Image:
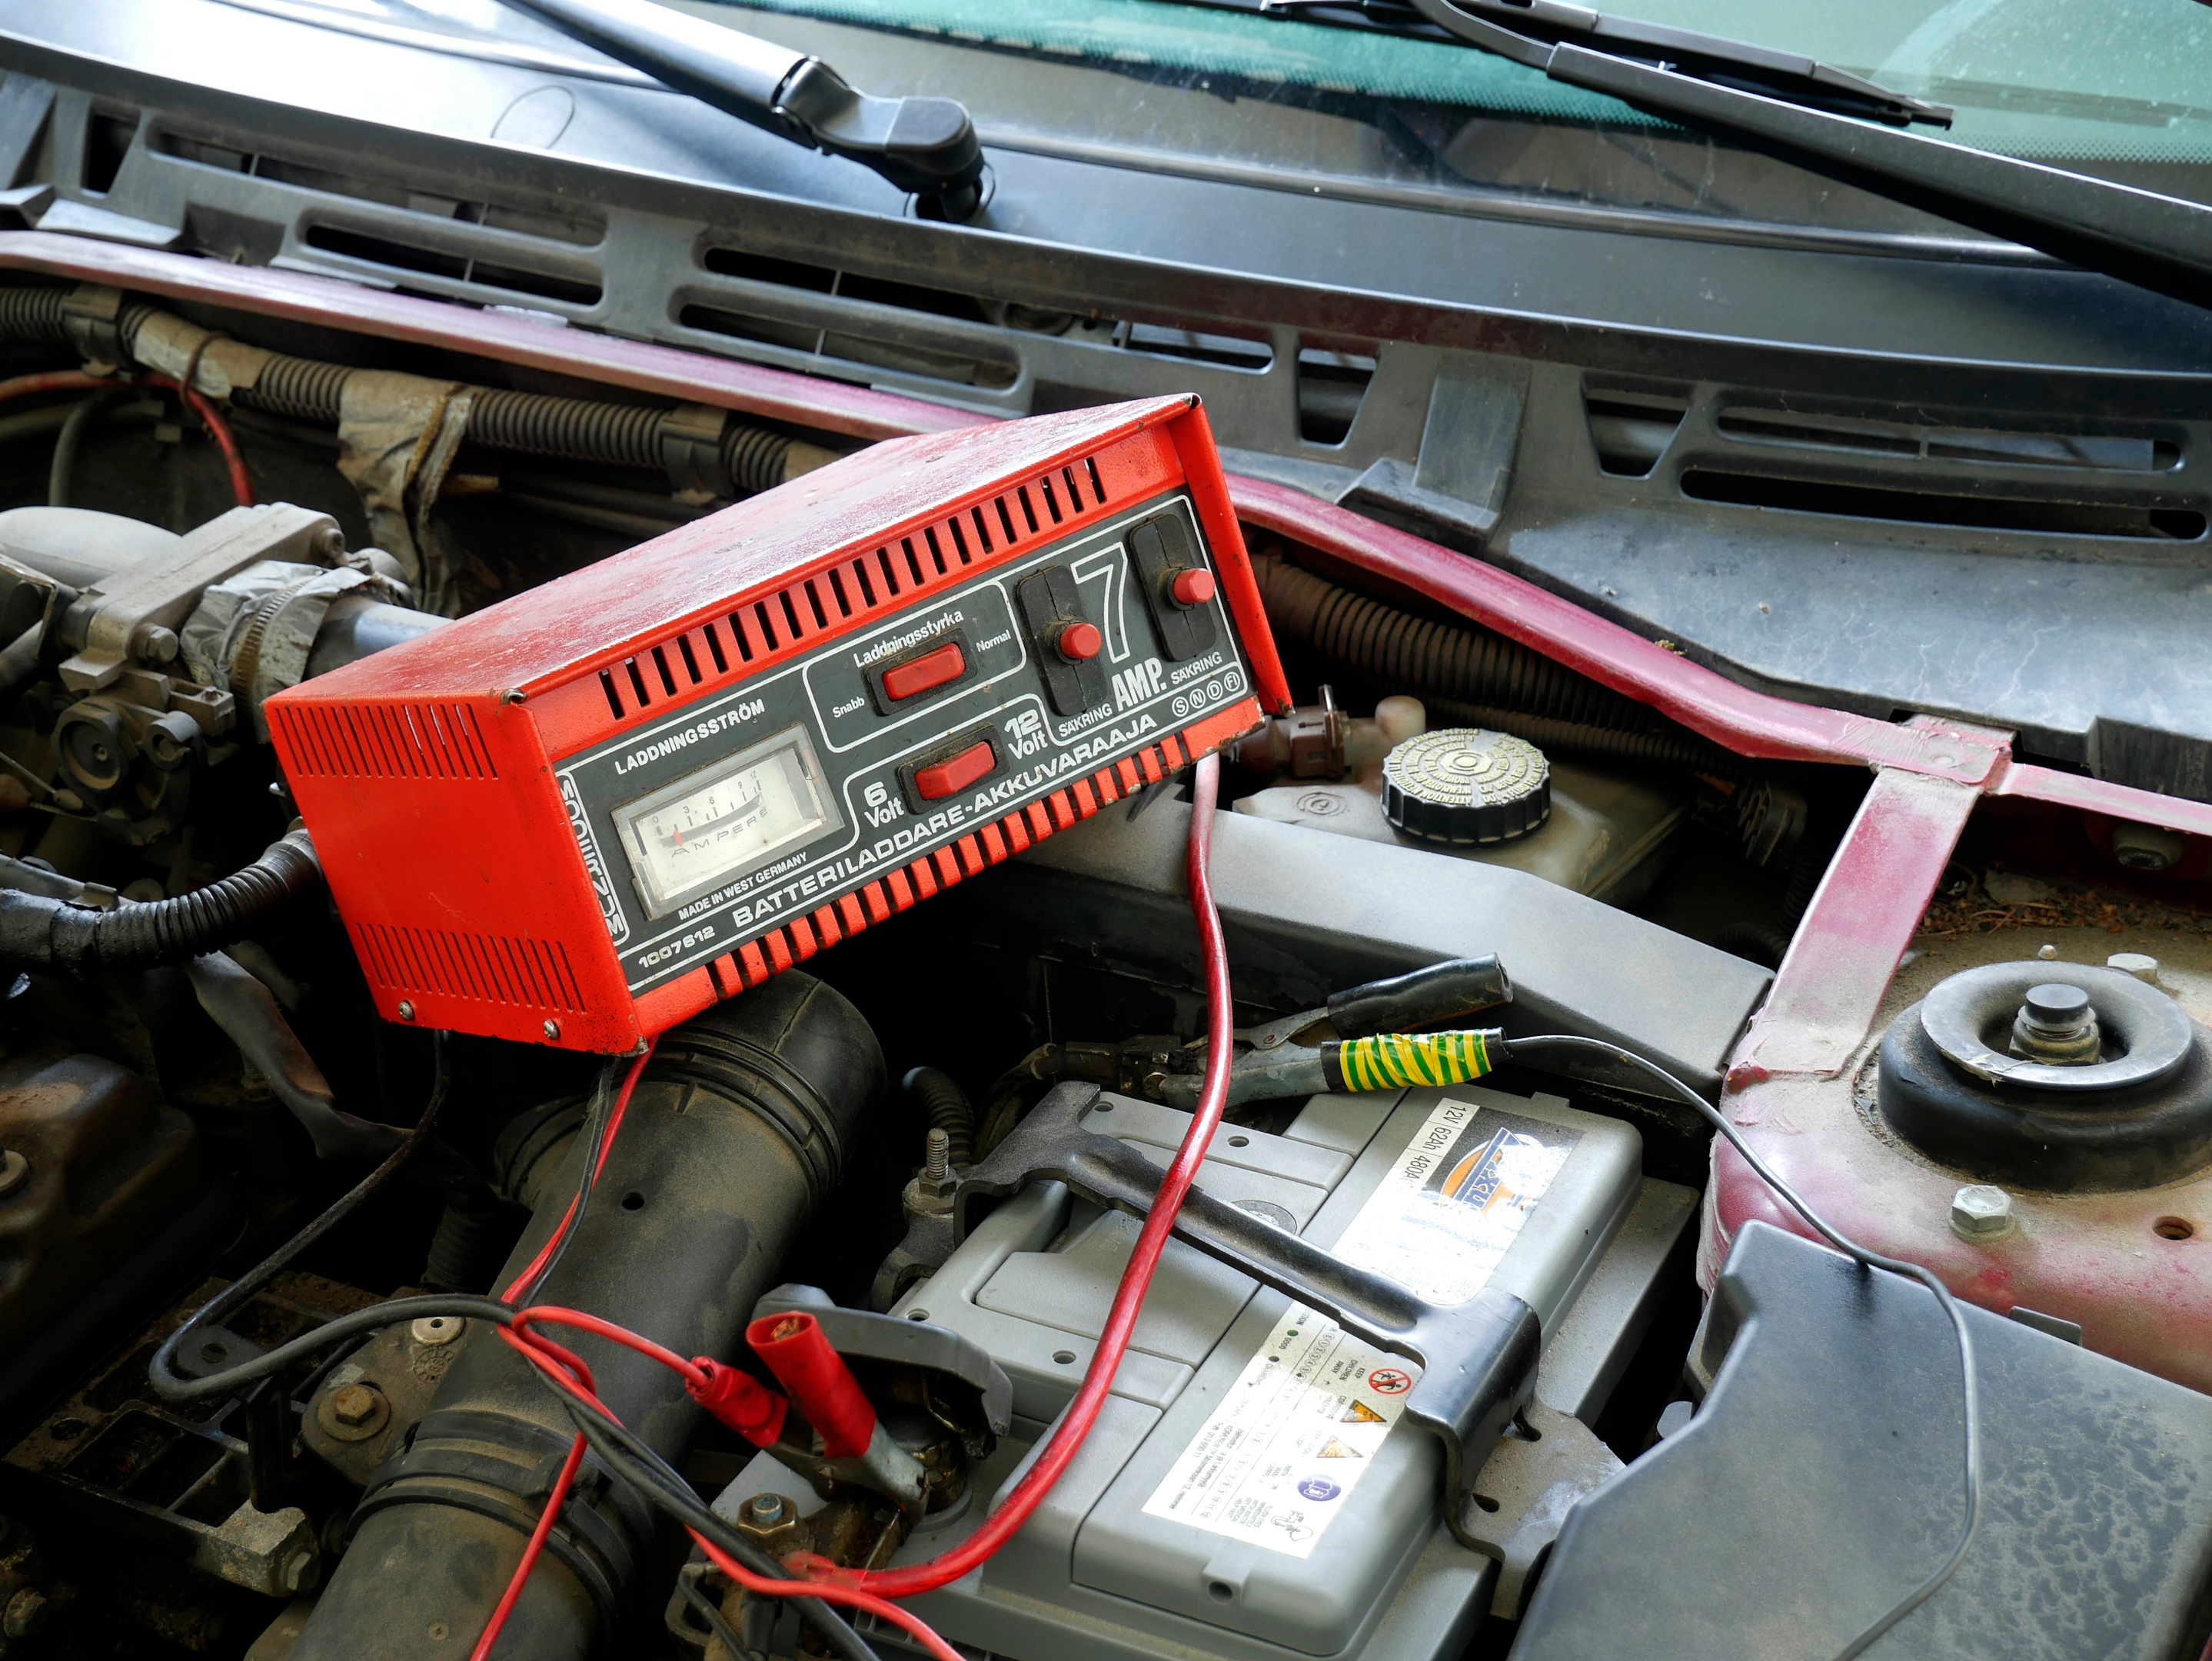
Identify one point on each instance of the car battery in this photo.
(1226, 1505)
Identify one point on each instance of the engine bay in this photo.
(843, 912)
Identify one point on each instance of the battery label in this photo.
(1275, 1461)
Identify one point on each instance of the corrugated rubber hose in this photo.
(1471, 676)
(37, 931)
(528, 424)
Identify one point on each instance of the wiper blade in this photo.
(926, 146)
(1708, 56)
(2160, 242)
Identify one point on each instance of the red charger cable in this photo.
(570, 1372)
(1122, 1320)
(869, 1589)
(566, 1479)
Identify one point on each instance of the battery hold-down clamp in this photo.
(1478, 1360)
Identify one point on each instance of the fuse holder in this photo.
(1193, 588)
(1079, 642)
(739, 1400)
(798, 1352)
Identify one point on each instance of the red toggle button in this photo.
(957, 774)
(1079, 642)
(1192, 587)
(947, 662)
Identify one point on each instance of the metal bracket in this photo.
(1521, 1499)
(691, 451)
(112, 621)
(1478, 1360)
(91, 314)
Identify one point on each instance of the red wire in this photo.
(54, 381)
(241, 482)
(513, 1593)
(73, 380)
(849, 1597)
(869, 1590)
(607, 1329)
(569, 1373)
(1120, 1321)
(559, 1496)
(536, 1266)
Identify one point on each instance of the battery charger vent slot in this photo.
(488, 968)
(893, 574)
(386, 740)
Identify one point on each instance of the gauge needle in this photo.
(750, 810)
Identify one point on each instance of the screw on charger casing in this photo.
(738, 1130)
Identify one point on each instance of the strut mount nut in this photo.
(2057, 1025)
(1981, 1211)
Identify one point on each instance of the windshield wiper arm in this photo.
(1709, 56)
(925, 145)
(2160, 242)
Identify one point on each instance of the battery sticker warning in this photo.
(1276, 1459)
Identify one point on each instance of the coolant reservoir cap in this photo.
(1466, 785)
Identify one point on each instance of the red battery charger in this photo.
(583, 814)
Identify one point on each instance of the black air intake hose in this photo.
(739, 1131)
(947, 1108)
(37, 931)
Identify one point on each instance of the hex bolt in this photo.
(937, 1160)
(2141, 964)
(1981, 1212)
(301, 1570)
(355, 1405)
(766, 1510)
(157, 645)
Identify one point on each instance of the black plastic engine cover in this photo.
(1822, 1480)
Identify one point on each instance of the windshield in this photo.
(2121, 89)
